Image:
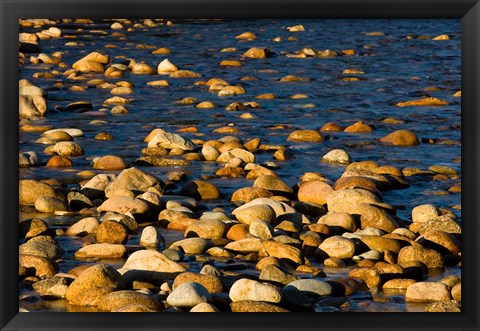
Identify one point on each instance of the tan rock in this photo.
(314, 191)
(401, 138)
(427, 292)
(429, 257)
(92, 284)
(424, 102)
(101, 251)
(257, 53)
(247, 289)
(339, 247)
(200, 190)
(283, 251)
(120, 299)
(207, 229)
(305, 136)
(212, 283)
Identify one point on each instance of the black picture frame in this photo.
(466, 10)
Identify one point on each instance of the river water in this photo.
(396, 68)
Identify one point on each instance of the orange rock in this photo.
(358, 127)
(59, 161)
(305, 136)
(401, 138)
(314, 191)
(331, 127)
(424, 102)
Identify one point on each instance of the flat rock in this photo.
(249, 306)
(339, 247)
(430, 257)
(123, 205)
(101, 251)
(427, 292)
(92, 284)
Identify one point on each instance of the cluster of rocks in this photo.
(288, 233)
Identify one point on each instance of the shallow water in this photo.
(396, 69)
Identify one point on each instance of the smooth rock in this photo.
(247, 289)
(249, 214)
(337, 156)
(92, 284)
(200, 190)
(427, 292)
(211, 283)
(339, 247)
(207, 229)
(314, 191)
(118, 299)
(31, 190)
(429, 257)
(101, 251)
(83, 227)
(124, 204)
(188, 295)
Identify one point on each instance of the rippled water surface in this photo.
(395, 69)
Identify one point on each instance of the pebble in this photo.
(346, 199)
(59, 161)
(68, 148)
(117, 300)
(431, 258)
(249, 214)
(427, 292)
(46, 204)
(166, 67)
(101, 251)
(188, 295)
(424, 102)
(284, 252)
(92, 284)
(200, 190)
(83, 227)
(211, 283)
(337, 156)
(338, 247)
(150, 260)
(261, 229)
(310, 287)
(314, 191)
(207, 229)
(338, 222)
(273, 184)
(401, 138)
(257, 53)
(41, 266)
(55, 287)
(29, 159)
(245, 245)
(305, 136)
(123, 204)
(247, 289)
(192, 245)
(150, 237)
